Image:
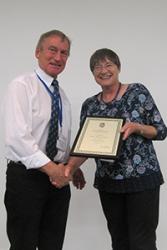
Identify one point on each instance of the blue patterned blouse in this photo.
(137, 167)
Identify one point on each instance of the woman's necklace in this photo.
(115, 97)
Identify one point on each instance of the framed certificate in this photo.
(99, 137)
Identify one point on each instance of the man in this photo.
(36, 209)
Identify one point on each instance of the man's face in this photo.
(53, 55)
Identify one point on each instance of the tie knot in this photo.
(55, 84)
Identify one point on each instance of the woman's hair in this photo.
(103, 54)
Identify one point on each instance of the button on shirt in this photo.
(27, 111)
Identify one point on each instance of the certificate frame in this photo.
(98, 137)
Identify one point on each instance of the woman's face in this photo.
(106, 73)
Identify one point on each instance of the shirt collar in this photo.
(45, 77)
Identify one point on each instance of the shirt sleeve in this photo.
(153, 116)
(19, 141)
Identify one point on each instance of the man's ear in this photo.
(37, 53)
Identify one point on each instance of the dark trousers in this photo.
(36, 210)
(132, 219)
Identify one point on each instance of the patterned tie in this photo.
(51, 149)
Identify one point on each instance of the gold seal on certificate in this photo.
(98, 137)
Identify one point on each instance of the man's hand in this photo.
(56, 173)
(78, 179)
(58, 178)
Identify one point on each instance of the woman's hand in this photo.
(146, 131)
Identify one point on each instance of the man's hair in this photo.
(53, 33)
(103, 54)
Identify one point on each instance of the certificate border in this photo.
(75, 151)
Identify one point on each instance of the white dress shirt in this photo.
(27, 112)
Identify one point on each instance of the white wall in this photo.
(136, 30)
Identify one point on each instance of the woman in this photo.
(129, 188)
